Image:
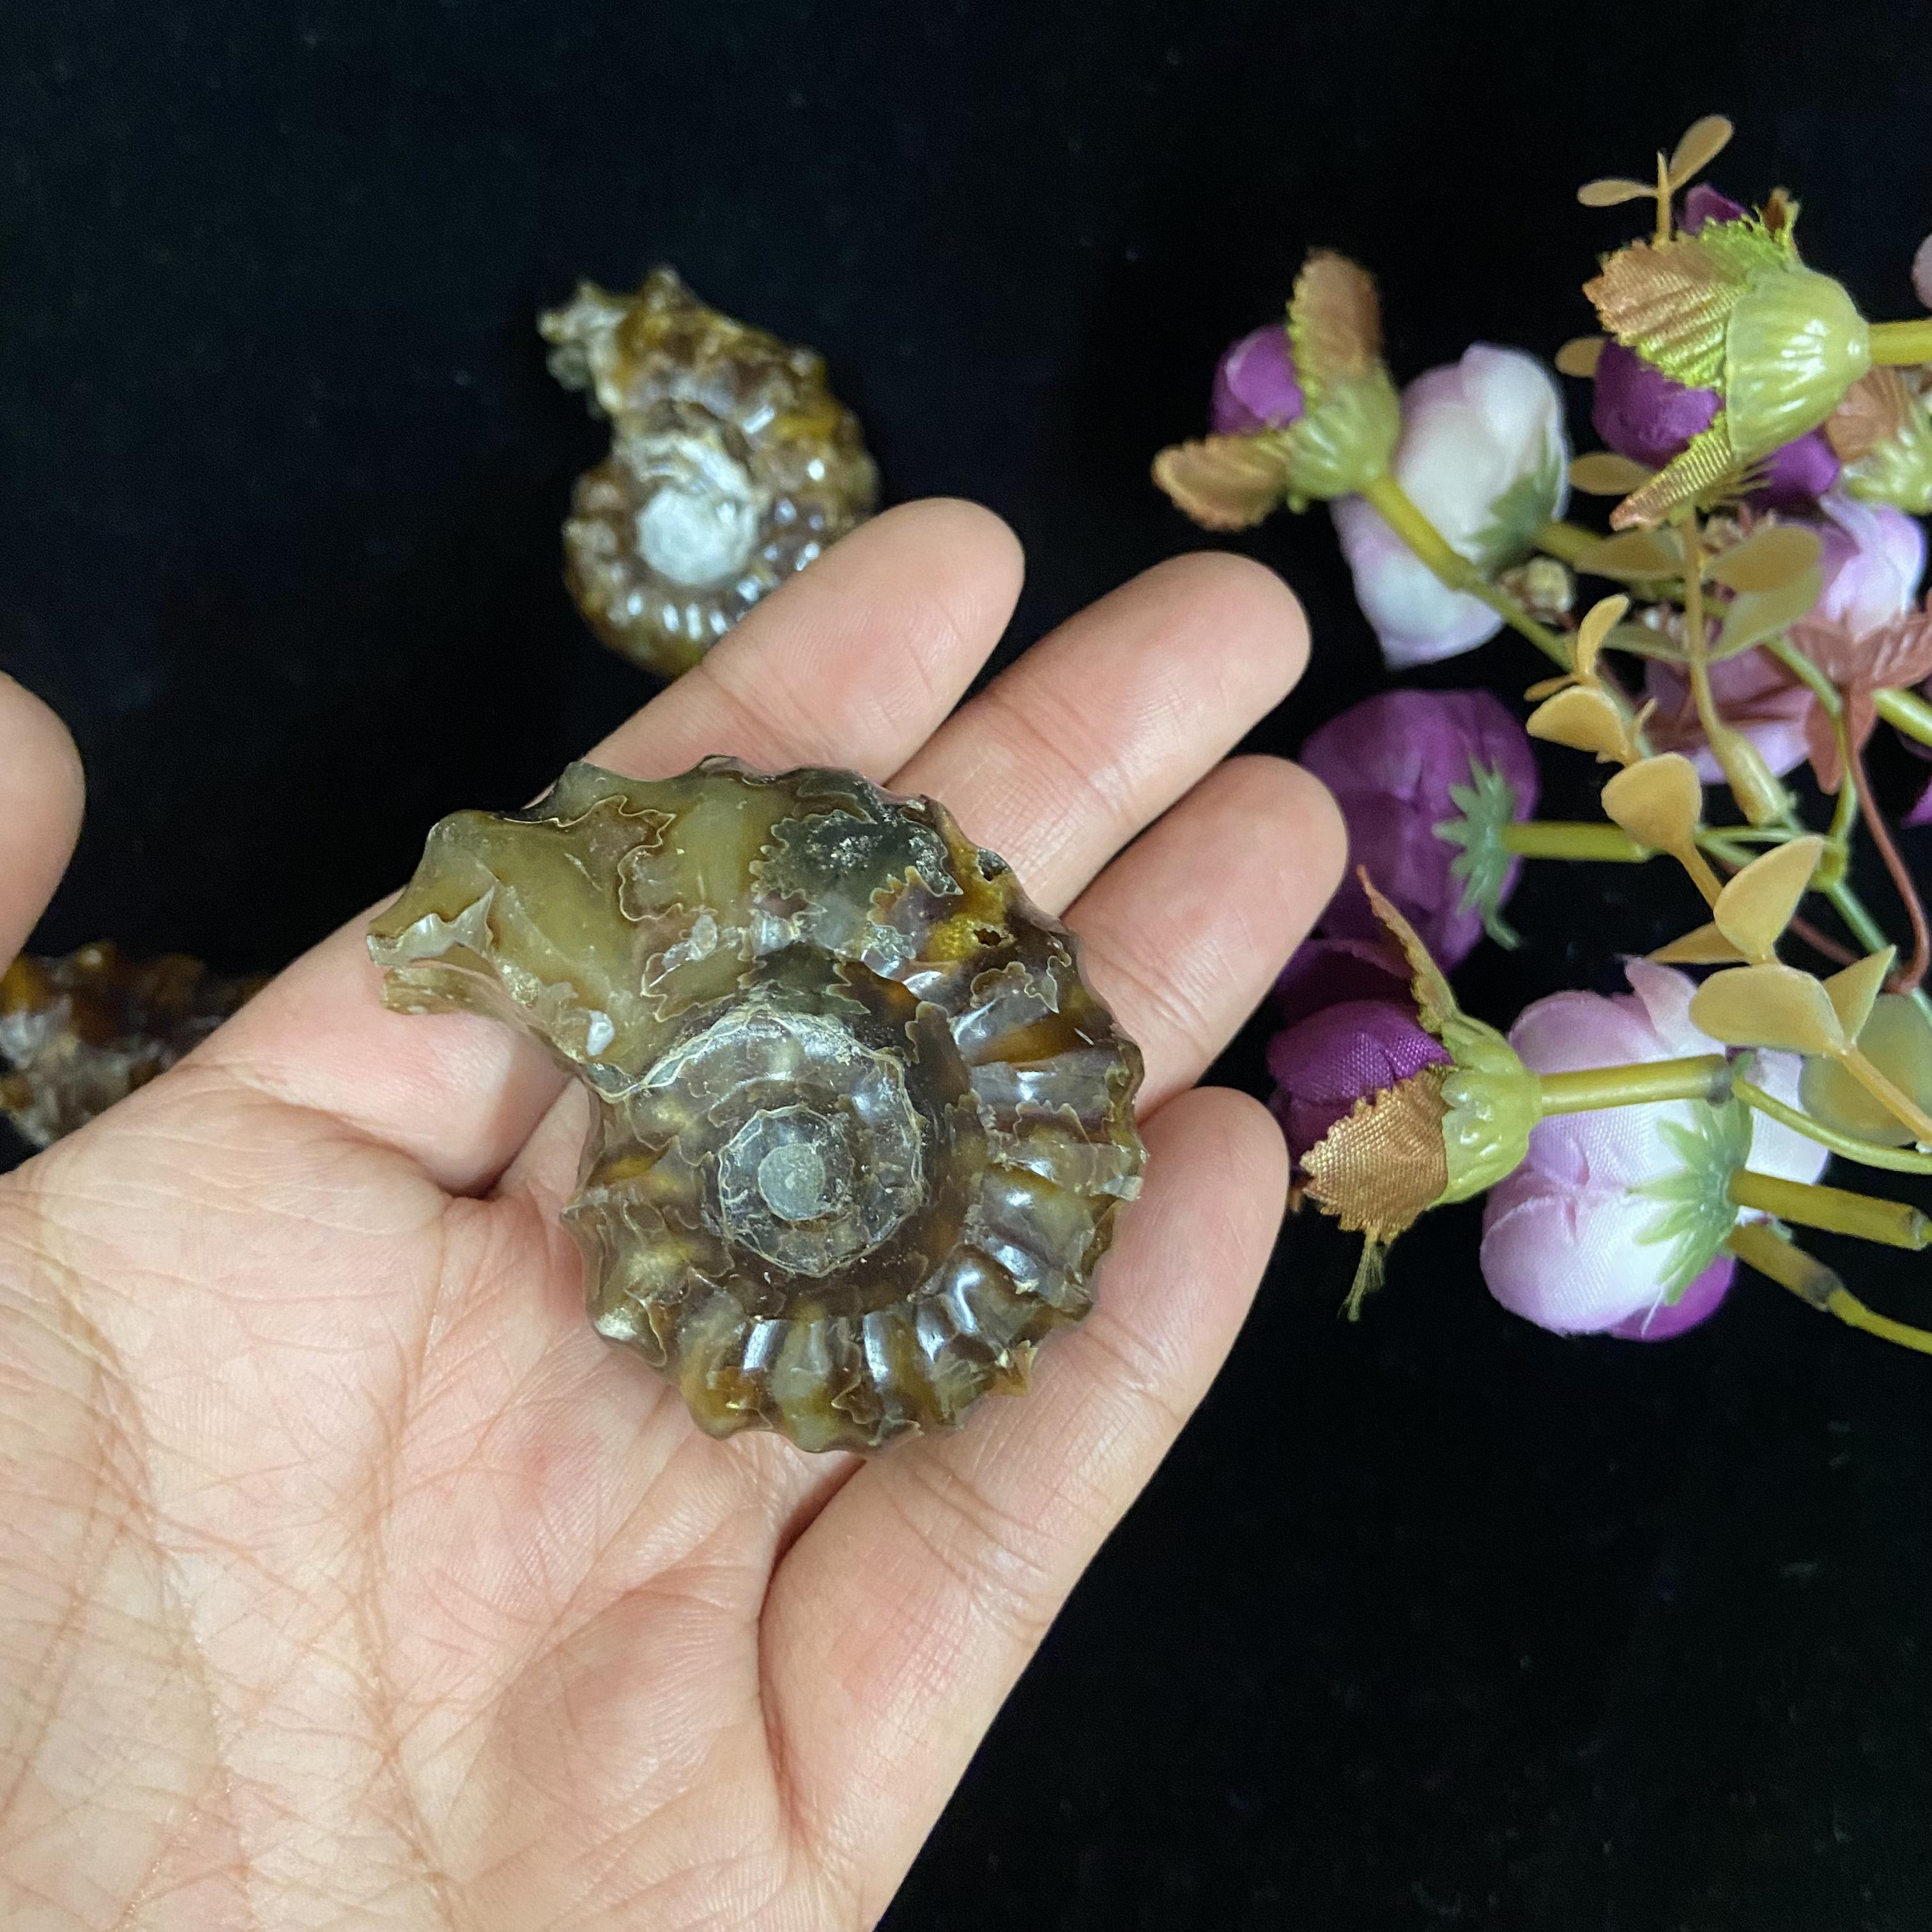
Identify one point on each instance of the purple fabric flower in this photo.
(1641, 413)
(1255, 386)
(1921, 271)
(1390, 762)
(1351, 1029)
(1323, 1066)
(1705, 203)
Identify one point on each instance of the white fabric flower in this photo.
(1484, 455)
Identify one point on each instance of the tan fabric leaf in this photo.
(1772, 556)
(1756, 905)
(1579, 355)
(1612, 190)
(1770, 1006)
(1584, 720)
(1334, 321)
(1875, 408)
(1670, 300)
(1704, 945)
(1706, 466)
(1854, 992)
(1634, 556)
(1603, 473)
(1224, 482)
(1657, 801)
(1386, 1163)
(1435, 1003)
(1703, 141)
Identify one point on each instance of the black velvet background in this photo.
(1433, 1620)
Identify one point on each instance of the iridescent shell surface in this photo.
(84, 1029)
(732, 465)
(861, 1131)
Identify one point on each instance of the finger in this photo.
(899, 1620)
(41, 793)
(853, 662)
(1183, 934)
(1064, 758)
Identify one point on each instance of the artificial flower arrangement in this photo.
(1769, 453)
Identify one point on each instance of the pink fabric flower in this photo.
(1393, 762)
(1612, 1207)
(1483, 455)
(1874, 556)
(1754, 692)
(1256, 386)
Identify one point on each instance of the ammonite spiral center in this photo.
(699, 523)
(818, 1156)
(861, 1129)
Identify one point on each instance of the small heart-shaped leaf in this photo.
(1769, 558)
(1853, 991)
(1583, 719)
(1769, 1006)
(1601, 473)
(1756, 905)
(1642, 640)
(1634, 556)
(1755, 615)
(1579, 355)
(1704, 945)
(1658, 802)
(1599, 621)
(1609, 190)
(1703, 141)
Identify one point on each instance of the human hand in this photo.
(348, 1578)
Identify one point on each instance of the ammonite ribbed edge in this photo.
(861, 1129)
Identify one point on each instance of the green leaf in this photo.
(1487, 804)
(1634, 556)
(1755, 615)
(1518, 514)
(1695, 1209)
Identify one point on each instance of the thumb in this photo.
(40, 793)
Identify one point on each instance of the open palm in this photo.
(348, 1579)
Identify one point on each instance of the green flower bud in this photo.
(1344, 441)
(1794, 346)
(1492, 1101)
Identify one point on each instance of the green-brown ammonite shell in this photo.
(862, 1130)
(732, 465)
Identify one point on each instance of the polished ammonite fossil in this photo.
(732, 465)
(84, 1030)
(861, 1129)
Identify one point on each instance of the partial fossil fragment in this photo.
(84, 1031)
(861, 1131)
(731, 466)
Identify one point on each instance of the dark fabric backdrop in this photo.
(1432, 1620)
